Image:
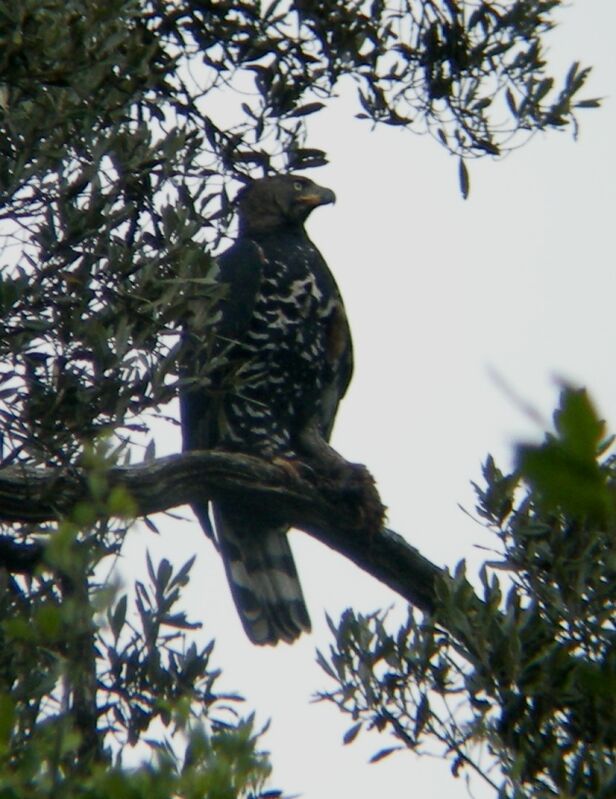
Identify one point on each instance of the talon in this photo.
(358, 484)
(295, 469)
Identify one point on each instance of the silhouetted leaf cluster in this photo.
(125, 127)
(529, 674)
(118, 122)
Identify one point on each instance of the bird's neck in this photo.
(292, 233)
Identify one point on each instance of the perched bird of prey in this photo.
(280, 361)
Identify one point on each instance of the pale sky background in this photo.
(518, 279)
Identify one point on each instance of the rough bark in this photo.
(332, 512)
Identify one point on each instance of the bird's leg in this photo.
(349, 480)
(320, 453)
(294, 468)
(314, 455)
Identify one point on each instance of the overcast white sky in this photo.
(519, 279)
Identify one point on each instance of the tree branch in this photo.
(329, 511)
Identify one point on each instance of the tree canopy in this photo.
(124, 127)
(121, 124)
(526, 674)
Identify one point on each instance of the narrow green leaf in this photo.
(463, 178)
(119, 616)
(165, 570)
(594, 103)
(304, 110)
(511, 102)
(351, 734)
(383, 753)
(325, 665)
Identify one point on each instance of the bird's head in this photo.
(278, 202)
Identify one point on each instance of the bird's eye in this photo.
(298, 185)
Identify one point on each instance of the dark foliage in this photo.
(528, 675)
(123, 126)
(118, 121)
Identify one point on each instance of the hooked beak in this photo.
(317, 195)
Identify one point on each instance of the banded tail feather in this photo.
(263, 578)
